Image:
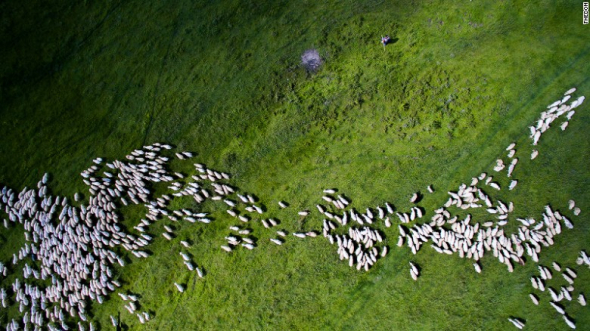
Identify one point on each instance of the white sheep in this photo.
(569, 322)
(248, 246)
(557, 307)
(570, 91)
(477, 267)
(563, 125)
(571, 204)
(582, 299)
(179, 287)
(516, 323)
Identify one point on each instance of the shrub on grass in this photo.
(311, 60)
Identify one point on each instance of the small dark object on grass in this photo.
(385, 40)
(311, 60)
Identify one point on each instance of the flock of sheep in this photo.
(71, 245)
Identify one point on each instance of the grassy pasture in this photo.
(462, 80)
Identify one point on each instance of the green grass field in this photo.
(463, 80)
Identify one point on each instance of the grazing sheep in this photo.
(517, 323)
(557, 307)
(387, 222)
(554, 295)
(495, 185)
(477, 267)
(245, 200)
(389, 208)
(568, 224)
(534, 299)
(92, 228)
(582, 299)
(536, 137)
(179, 287)
(570, 115)
(571, 273)
(563, 126)
(571, 204)
(414, 269)
(512, 185)
(569, 322)
(248, 246)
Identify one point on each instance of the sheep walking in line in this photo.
(179, 287)
(74, 244)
